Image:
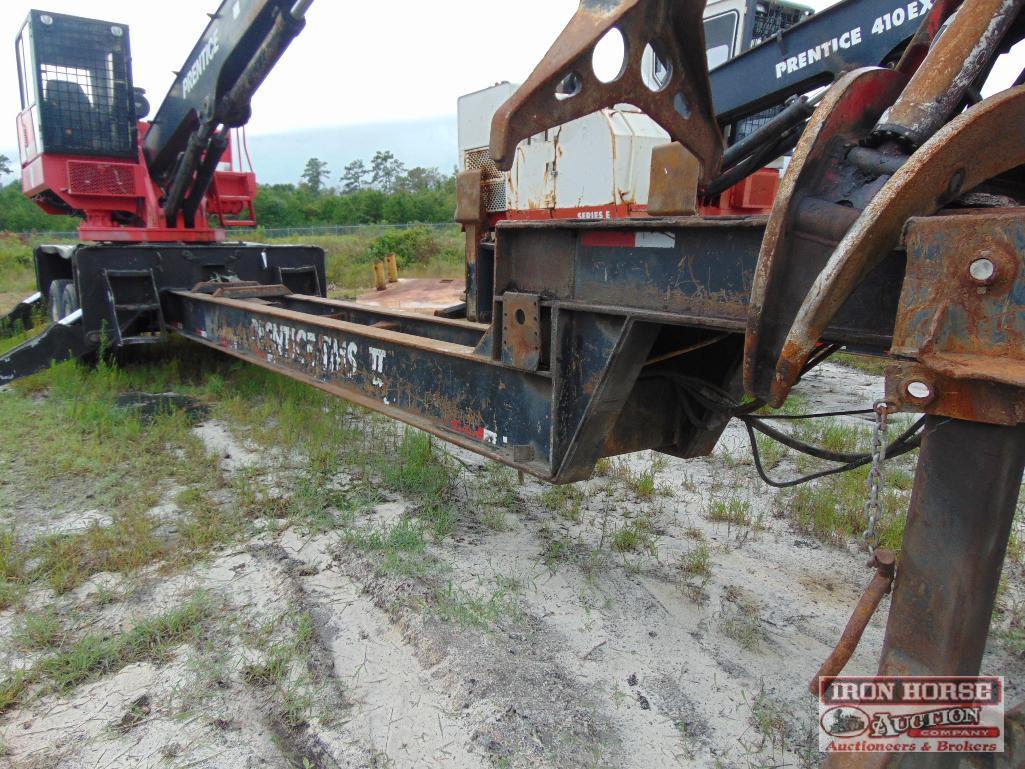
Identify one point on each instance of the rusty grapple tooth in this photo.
(663, 36)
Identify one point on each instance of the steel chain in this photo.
(874, 506)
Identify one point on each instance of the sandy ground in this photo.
(599, 660)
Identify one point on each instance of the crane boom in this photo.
(213, 91)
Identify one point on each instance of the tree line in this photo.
(382, 191)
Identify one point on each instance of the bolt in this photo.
(983, 270)
(955, 184)
(918, 390)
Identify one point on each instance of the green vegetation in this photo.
(279, 653)
(452, 604)
(422, 252)
(634, 537)
(96, 655)
(730, 510)
(697, 562)
(12, 568)
(19, 214)
(863, 363)
(833, 509)
(382, 192)
(566, 501)
(38, 630)
(740, 618)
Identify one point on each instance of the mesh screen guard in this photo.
(84, 86)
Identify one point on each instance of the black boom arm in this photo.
(213, 92)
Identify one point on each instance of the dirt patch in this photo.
(540, 637)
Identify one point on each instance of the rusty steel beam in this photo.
(854, 156)
(958, 350)
(576, 400)
(966, 491)
(947, 166)
(959, 523)
(794, 249)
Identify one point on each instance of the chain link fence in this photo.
(277, 233)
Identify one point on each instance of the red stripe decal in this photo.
(609, 239)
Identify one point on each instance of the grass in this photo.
(420, 469)
(834, 435)
(17, 274)
(634, 537)
(772, 720)
(97, 655)
(740, 618)
(12, 569)
(833, 509)
(399, 550)
(38, 630)
(436, 254)
(282, 641)
(643, 485)
(71, 442)
(565, 501)
(863, 363)
(771, 452)
(65, 561)
(731, 510)
(479, 611)
(14, 334)
(697, 562)
(492, 494)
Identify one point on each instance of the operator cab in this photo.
(77, 97)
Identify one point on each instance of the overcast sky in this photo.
(356, 62)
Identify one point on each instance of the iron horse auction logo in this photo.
(911, 714)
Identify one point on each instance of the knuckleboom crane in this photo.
(87, 150)
(145, 189)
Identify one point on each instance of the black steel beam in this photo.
(686, 271)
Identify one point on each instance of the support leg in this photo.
(959, 523)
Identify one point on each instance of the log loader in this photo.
(898, 230)
(155, 197)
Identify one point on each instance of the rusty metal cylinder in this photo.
(380, 276)
(392, 262)
(884, 562)
(966, 490)
(957, 58)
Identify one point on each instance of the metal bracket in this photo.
(960, 319)
(521, 330)
(565, 87)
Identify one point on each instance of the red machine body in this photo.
(87, 149)
(118, 199)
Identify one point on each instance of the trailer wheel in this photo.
(69, 296)
(56, 299)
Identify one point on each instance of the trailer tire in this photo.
(56, 299)
(69, 297)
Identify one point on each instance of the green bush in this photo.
(422, 252)
(416, 246)
(16, 270)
